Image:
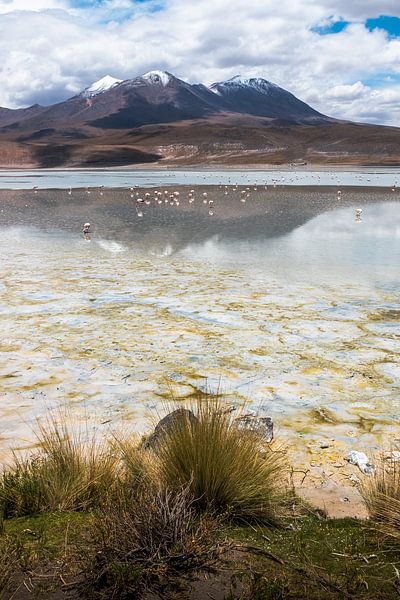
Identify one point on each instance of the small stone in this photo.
(263, 426)
(353, 478)
(324, 445)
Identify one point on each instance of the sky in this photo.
(340, 56)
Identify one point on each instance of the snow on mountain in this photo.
(159, 77)
(257, 83)
(102, 85)
(160, 97)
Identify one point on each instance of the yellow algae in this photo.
(312, 371)
(9, 347)
(259, 351)
(389, 314)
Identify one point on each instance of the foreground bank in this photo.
(203, 506)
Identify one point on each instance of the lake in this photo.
(294, 176)
(284, 299)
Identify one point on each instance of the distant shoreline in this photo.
(383, 178)
(234, 168)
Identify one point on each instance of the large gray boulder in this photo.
(166, 425)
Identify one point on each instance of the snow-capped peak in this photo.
(261, 85)
(160, 77)
(102, 85)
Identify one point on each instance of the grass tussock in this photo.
(382, 495)
(70, 471)
(156, 508)
(8, 563)
(145, 541)
(137, 467)
(227, 469)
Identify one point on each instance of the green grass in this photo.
(319, 559)
(227, 469)
(41, 552)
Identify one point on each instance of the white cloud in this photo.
(362, 9)
(51, 51)
(362, 103)
(347, 92)
(7, 6)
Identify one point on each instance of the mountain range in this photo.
(158, 118)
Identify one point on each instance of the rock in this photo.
(354, 479)
(166, 425)
(324, 445)
(263, 426)
(361, 460)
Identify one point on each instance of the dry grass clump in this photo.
(382, 495)
(137, 467)
(147, 540)
(68, 472)
(156, 506)
(8, 563)
(228, 470)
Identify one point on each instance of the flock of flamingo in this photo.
(173, 198)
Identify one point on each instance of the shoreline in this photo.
(213, 167)
(282, 177)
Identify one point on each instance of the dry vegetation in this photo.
(71, 471)
(382, 495)
(156, 509)
(228, 470)
(117, 519)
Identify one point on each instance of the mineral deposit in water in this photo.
(285, 300)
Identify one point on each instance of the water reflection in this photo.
(122, 216)
(284, 301)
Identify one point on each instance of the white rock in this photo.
(361, 460)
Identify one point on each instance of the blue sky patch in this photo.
(86, 3)
(389, 24)
(106, 13)
(381, 80)
(330, 27)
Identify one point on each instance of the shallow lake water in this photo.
(275, 176)
(285, 300)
